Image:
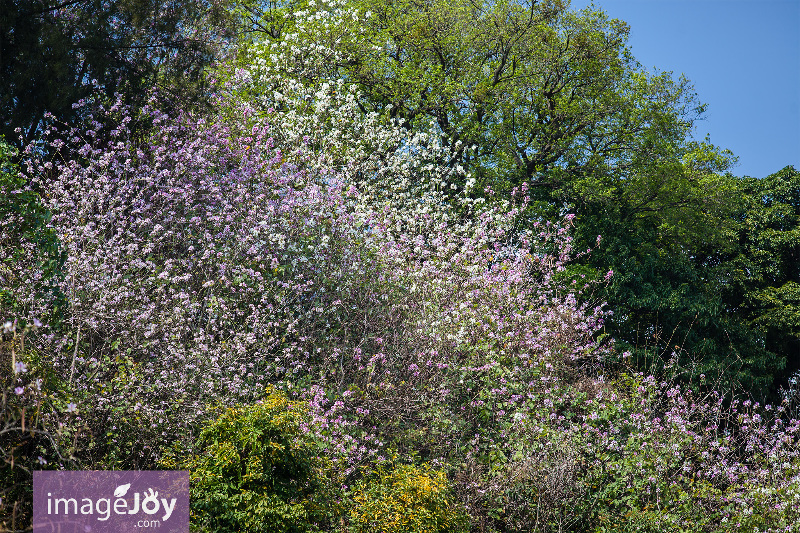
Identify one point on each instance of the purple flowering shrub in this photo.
(638, 454)
(192, 260)
(201, 266)
(706, 465)
(442, 339)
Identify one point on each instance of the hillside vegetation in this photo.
(398, 266)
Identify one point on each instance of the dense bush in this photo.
(191, 259)
(257, 468)
(405, 499)
(662, 456)
(636, 454)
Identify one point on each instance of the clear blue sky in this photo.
(743, 57)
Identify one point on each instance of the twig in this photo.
(74, 354)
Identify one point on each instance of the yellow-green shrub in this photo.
(256, 469)
(406, 499)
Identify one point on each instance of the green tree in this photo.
(519, 92)
(720, 290)
(759, 280)
(662, 242)
(525, 93)
(55, 52)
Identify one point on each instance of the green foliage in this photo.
(55, 53)
(715, 290)
(256, 468)
(760, 278)
(405, 499)
(29, 248)
(676, 263)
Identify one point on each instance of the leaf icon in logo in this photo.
(121, 490)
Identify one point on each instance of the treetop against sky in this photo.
(743, 57)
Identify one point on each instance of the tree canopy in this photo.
(53, 53)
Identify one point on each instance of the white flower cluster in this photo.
(297, 87)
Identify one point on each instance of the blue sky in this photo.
(743, 57)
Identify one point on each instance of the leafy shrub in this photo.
(661, 455)
(406, 499)
(634, 454)
(256, 469)
(30, 253)
(657, 457)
